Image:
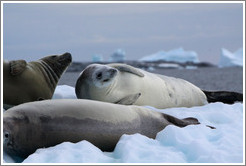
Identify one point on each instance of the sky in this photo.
(32, 31)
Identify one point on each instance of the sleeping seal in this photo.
(24, 82)
(124, 84)
(46, 123)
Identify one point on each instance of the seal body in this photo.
(124, 84)
(40, 124)
(24, 82)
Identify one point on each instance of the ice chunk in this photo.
(176, 55)
(228, 58)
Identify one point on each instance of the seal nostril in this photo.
(112, 72)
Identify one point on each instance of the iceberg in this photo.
(97, 58)
(228, 59)
(118, 56)
(177, 55)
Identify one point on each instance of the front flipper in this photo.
(129, 100)
(17, 67)
(127, 68)
(183, 122)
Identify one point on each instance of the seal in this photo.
(24, 82)
(46, 123)
(124, 84)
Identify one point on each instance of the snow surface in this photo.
(175, 55)
(191, 144)
(228, 59)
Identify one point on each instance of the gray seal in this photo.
(25, 82)
(46, 123)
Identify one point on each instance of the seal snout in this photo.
(7, 136)
(106, 75)
(66, 56)
(6, 139)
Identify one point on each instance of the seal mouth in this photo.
(106, 80)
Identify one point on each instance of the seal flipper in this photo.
(129, 100)
(183, 122)
(223, 96)
(17, 67)
(127, 68)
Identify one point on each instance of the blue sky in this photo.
(31, 31)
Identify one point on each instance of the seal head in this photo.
(58, 63)
(99, 76)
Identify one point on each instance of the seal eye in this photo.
(6, 135)
(99, 76)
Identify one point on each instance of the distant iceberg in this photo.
(118, 56)
(97, 58)
(175, 55)
(228, 58)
